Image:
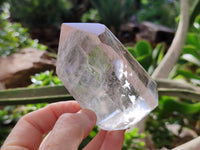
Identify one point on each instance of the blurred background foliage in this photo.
(17, 18)
(13, 36)
(159, 11)
(40, 12)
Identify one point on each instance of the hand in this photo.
(66, 124)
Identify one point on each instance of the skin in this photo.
(65, 125)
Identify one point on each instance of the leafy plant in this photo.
(148, 57)
(195, 12)
(44, 79)
(189, 63)
(91, 16)
(131, 140)
(1, 2)
(37, 12)
(13, 37)
(113, 12)
(174, 110)
(155, 10)
(11, 114)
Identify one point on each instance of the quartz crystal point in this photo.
(103, 76)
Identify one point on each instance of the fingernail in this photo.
(90, 114)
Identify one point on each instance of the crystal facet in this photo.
(103, 76)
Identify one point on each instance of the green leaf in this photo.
(191, 49)
(158, 53)
(145, 61)
(193, 39)
(34, 95)
(188, 74)
(170, 105)
(191, 58)
(132, 51)
(195, 11)
(143, 48)
(14, 37)
(196, 23)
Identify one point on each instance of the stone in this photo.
(103, 76)
(17, 68)
(128, 32)
(156, 33)
(184, 136)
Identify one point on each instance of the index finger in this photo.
(30, 129)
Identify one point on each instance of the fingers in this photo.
(107, 140)
(96, 142)
(29, 131)
(113, 140)
(69, 131)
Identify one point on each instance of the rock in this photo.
(186, 132)
(17, 68)
(128, 32)
(156, 33)
(183, 137)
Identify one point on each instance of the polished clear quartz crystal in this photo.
(103, 76)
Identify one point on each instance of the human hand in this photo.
(66, 124)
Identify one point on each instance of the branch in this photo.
(46, 94)
(178, 89)
(172, 55)
(166, 83)
(181, 93)
(59, 93)
(191, 145)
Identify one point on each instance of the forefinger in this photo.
(30, 129)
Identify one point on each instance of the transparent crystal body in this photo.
(103, 76)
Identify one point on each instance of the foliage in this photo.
(113, 12)
(148, 57)
(91, 16)
(188, 66)
(37, 12)
(195, 11)
(13, 36)
(92, 134)
(1, 2)
(11, 114)
(44, 79)
(174, 110)
(155, 10)
(131, 140)
(170, 111)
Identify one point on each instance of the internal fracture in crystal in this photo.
(103, 76)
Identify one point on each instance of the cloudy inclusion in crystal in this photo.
(101, 79)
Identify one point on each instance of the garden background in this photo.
(153, 32)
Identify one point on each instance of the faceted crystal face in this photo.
(103, 76)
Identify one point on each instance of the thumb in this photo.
(69, 131)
